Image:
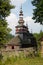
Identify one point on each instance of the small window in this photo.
(12, 47)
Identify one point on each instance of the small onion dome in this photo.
(21, 13)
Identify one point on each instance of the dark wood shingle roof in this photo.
(15, 41)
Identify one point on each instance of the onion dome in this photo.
(21, 21)
(21, 12)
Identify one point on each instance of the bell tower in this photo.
(21, 29)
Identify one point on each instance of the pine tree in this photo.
(38, 11)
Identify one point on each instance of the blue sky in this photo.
(27, 7)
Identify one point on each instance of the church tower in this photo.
(21, 29)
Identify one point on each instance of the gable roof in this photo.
(15, 41)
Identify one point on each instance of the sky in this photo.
(27, 8)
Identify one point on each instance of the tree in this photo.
(38, 11)
(9, 37)
(5, 7)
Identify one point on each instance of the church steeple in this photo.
(21, 12)
(21, 21)
(21, 29)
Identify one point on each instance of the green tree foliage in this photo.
(9, 37)
(38, 11)
(5, 7)
(3, 31)
(38, 35)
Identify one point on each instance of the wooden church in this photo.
(23, 38)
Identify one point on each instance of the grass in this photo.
(22, 61)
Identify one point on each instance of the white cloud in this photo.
(17, 2)
(13, 21)
(35, 27)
